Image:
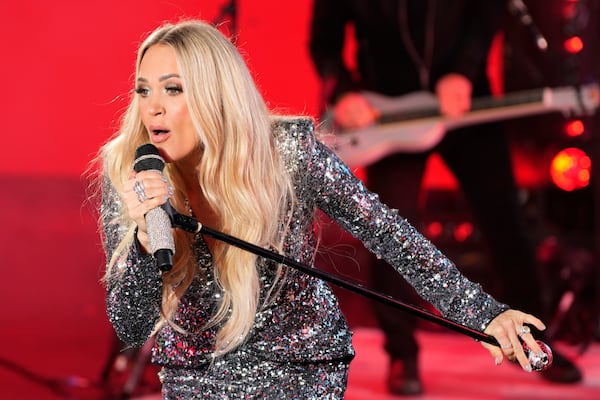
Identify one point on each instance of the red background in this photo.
(67, 67)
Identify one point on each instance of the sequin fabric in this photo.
(300, 346)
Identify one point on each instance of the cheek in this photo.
(185, 125)
(182, 116)
(143, 115)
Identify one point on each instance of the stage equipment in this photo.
(412, 123)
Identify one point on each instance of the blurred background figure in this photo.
(403, 47)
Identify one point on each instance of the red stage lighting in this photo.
(570, 169)
(570, 10)
(574, 44)
(434, 230)
(463, 231)
(574, 128)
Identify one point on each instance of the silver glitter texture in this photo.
(300, 346)
(160, 236)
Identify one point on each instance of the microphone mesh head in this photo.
(147, 158)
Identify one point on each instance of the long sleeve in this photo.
(342, 196)
(134, 288)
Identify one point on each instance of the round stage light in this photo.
(570, 169)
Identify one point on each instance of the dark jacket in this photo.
(460, 33)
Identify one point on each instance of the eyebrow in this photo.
(160, 79)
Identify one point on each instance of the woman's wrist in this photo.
(143, 242)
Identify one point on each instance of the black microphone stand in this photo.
(192, 225)
(539, 363)
(228, 14)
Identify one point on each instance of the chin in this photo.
(164, 154)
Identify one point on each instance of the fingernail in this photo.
(527, 367)
(497, 360)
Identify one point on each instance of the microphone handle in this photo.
(160, 233)
(161, 239)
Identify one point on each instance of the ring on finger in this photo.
(523, 331)
(138, 188)
(507, 346)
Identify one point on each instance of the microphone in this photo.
(158, 221)
(520, 10)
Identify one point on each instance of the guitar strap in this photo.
(422, 63)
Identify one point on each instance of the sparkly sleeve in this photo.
(384, 232)
(134, 288)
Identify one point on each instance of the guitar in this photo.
(412, 123)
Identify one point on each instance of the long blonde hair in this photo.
(240, 173)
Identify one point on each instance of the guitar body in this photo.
(365, 146)
(412, 123)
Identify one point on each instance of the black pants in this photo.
(479, 157)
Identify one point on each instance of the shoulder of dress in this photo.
(291, 127)
(295, 139)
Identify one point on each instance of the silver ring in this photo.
(523, 330)
(507, 346)
(138, 188)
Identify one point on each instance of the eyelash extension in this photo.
(176, 88)
(143, 91)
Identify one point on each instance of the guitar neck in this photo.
(500, 107)
(412, 123)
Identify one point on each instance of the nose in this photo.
(155, 106)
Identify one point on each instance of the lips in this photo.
(158, 134)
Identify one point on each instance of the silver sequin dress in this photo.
(300, 346)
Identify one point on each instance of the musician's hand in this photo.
(506, 328)
(454, 94)
(155, 189)
(353, 111)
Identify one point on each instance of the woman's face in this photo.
(163, 107)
